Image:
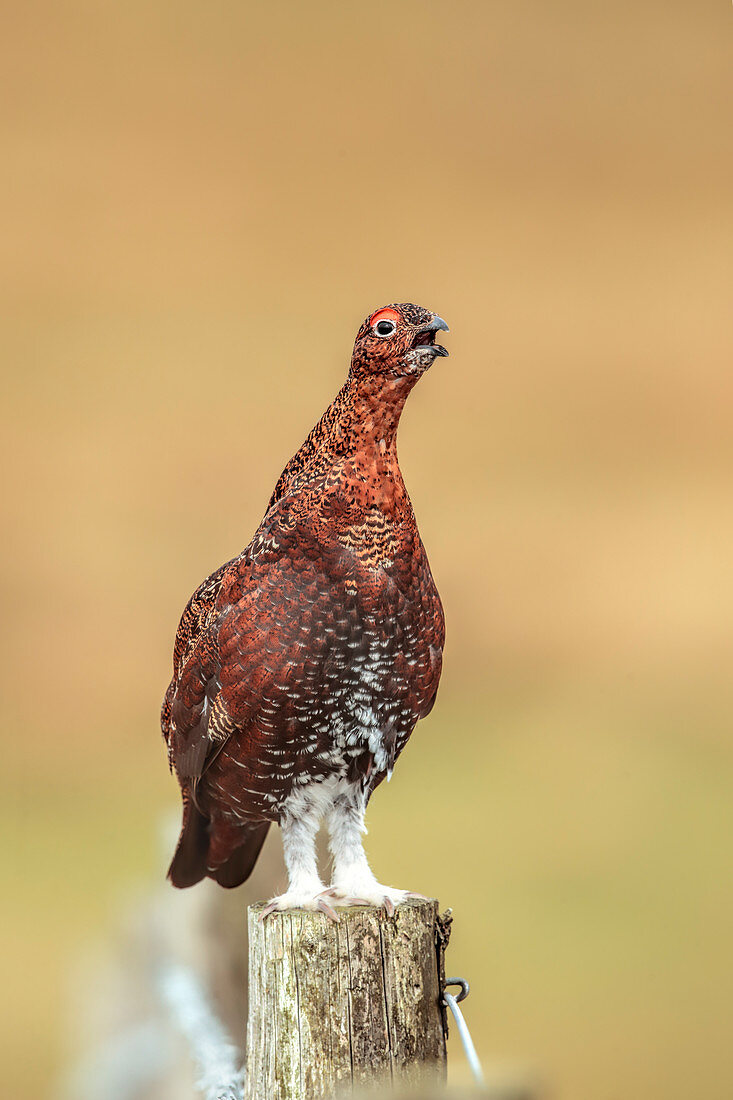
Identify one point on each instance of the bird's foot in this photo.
(370, 893)
(299, 899)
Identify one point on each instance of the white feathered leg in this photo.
(305, 889)
(353, 881)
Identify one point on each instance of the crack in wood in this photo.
(387, 1015)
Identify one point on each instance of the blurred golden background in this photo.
(200, 203)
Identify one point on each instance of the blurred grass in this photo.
(203, 205)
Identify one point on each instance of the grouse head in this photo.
(398, 340)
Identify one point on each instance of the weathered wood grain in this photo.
(334, 1006)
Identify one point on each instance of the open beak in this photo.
(425, 337)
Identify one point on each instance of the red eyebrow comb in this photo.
(384, 315)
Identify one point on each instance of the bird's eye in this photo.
(384, 328)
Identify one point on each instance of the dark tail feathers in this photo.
(190, 861)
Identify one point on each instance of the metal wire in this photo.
(451, 1001)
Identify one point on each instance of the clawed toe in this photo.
(345, 900)
(330, 912)
(316, 903)
(383, 897)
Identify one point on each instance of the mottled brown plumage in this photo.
(301, 666)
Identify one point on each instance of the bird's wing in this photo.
(193, 634)
(257, 640)
(432, 626)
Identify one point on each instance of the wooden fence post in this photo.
(336, 1006)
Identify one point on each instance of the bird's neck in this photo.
(363, 441)
(369, 413)
(356, 436)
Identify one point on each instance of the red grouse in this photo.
(301, 667)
